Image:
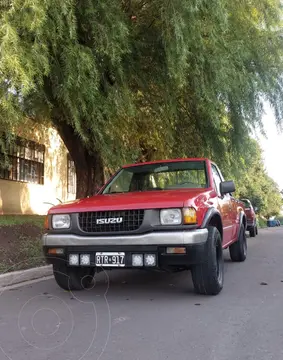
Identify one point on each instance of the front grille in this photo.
(102, 221)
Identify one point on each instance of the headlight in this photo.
(61, 221)
(171, 217)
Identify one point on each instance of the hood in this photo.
(131, 201)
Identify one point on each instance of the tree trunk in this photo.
(90, 174)
(89, 166)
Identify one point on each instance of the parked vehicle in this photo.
(169, 215)
(251, 217)
(273, 223)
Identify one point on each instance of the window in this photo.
(217, 178)
(25, 161)
(71, 175)
(122, 184)
(160, 176)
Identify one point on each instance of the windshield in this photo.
(159, 176)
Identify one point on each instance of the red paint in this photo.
(201, 199)
(249, 211)
(137, 200)
(165, 161)
(250, 214)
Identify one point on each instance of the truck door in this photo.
(224, 206)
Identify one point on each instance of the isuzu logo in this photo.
(117, 220)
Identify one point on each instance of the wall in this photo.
(24, 198)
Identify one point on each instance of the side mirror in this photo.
(256, 209)
(227, 187)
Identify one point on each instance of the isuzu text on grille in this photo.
(109, 221)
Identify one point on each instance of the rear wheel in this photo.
(253, 231)
(208, 276)
(69, 278)
(238, 250)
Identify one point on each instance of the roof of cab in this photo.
(166, 161)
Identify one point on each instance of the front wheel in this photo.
(69, 278)
(238, 250)
(208, 277)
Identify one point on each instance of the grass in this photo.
(31, 251)
(29, 255)
(20, 242)
(10, 220)
(261, 222)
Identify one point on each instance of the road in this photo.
(140, 315)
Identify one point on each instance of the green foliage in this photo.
(194, 62)
(254, 183)
(144, 79)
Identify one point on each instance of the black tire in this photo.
(72, 278)
(208, 277)
(253, 231)
(238, 250)
(256, 231)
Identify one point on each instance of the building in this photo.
(40, 172)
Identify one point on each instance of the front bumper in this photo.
(155, 242)
(153, 238)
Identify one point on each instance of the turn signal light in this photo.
(176, 250)
(55, 251)
(46, 223)
(190, 216)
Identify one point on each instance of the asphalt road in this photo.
(139, 315)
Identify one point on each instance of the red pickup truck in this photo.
(251, 217)
(169, 215)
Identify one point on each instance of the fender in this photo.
(209, 215)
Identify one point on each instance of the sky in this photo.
(272, 146)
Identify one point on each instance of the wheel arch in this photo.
(242, 221)
(213, 218)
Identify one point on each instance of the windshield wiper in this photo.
(154, 189)
(116, 192)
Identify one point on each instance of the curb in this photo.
(17, 277)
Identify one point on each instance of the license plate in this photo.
(114, 259)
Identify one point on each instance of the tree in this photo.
(254, 183)
(123, 79)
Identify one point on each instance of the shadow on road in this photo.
(144, 284)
